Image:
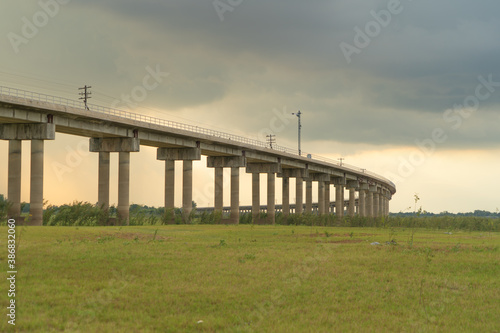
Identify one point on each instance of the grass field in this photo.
(206, 278)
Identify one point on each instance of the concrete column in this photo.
(170, 188)
(327, 198)
(299, 190)
(339, 201)
(271, 195)
(103, 190)
(381, 205)
(321, 198)
(256, 198)
(309, 189)
(219, 189)
(123, 188)
(187, 190)
(235, 195)
(286, 196)
(369, 204)
(375, 204)
(361, 203)
(14, 185)
(352, 201)
(36, 193)
(388, 206)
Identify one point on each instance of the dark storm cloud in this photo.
(427, 59)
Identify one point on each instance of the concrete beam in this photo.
(339, 181)
(264, 168)
(294, 173)
(44, 131)
(178, 154)
(325, 170)
(117, 145)
(226, 162)
(352, 184)
(319, 177)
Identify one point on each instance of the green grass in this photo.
(254, 279)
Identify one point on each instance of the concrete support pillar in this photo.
(14, 184)
(352, 202)
(299, 190)
(286, 197)
(123, 188)
(327, 198)
(309, 189)
(256, 198)
(375, 206)
(219, 189)
(321, 197)
(36, 193)
(187, 189)
(235, 195)
(103, 190)
(387, 206)
(271, 195)
(369, 204)
(361, 203)
(381, 205)
(339, 201)
(170, 189)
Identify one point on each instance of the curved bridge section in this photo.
(37, 117)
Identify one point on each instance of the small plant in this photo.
(327, 234)
(222, 243)
(351, 234)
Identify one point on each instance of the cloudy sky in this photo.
(407, 89)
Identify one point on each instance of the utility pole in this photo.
(85, 95)
(271, 138)
(300, 126)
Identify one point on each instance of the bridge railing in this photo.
(13, 92)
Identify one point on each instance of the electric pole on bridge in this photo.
(271, 138)
(85, 95)
(300, 127)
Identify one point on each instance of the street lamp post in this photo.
(300, 126)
